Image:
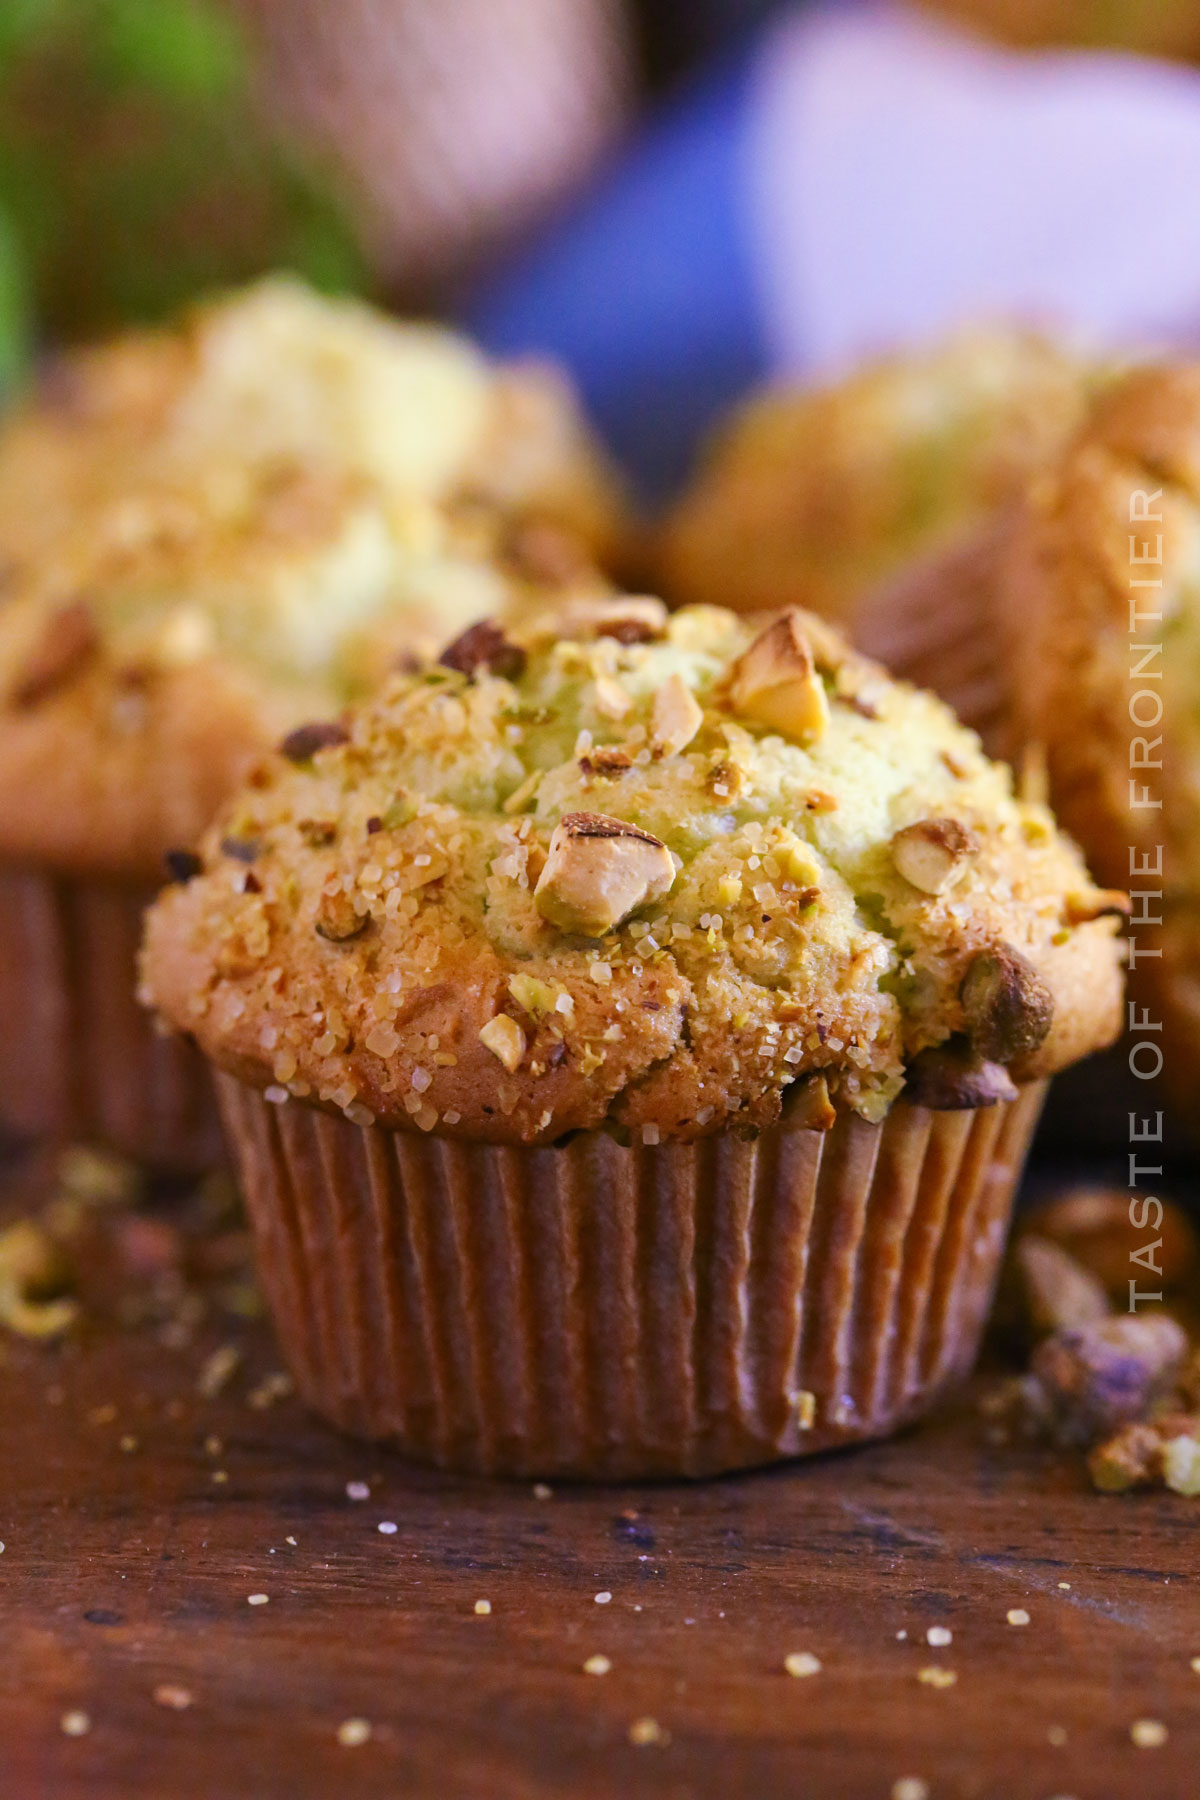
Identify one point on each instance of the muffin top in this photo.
(1103, 610)
(207, 535)
(277, 374)
(614, 867)
(814, 496)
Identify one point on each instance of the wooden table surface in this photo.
(138, 1516)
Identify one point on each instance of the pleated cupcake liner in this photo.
(79, 1058)
(591, 1310)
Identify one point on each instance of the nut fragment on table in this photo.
(1145, 1453)
(1045, 1290)
(1101, 1376)
(34, 1275)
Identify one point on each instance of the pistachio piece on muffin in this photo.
(704, 1037)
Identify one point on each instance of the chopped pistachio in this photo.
(598, 870)
(676, 716)
(933, 853)
(775, 681)
(505, 1039)
(535, 997)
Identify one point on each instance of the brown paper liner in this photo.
(79, 1058)
(593, 1310)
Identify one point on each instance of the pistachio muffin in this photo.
(208, 536)
(650, 1012)
(816, 497)
(279, 376)
(1102, 606)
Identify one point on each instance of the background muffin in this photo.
(279, 375)
(1117, 719)
(209, 536)
(816, 497)
(678, 877)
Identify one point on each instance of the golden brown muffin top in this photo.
(1084, 636)
(615, 867)
(812, 497)
(212, 533)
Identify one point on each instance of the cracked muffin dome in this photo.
(209, 534)
(614, 867)
(814, 497)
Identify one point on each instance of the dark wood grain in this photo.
(125, 1569)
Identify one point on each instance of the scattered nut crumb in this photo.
(75, 1724)
(910, 1787)
(178, 1699)
(801, 1663)
(603, 1597)
(388, 1527)
(218, 1370)
(1148, 1734)
(34, 1275)
(357, 1490)
(1016, 1615)
(597, 1665)
(352, 1732)
(935, 1677)
(1099, 1376)
(938, 1636)
(483, 1608)
(257, 1599)
(648, 1731)
(1181, 1465)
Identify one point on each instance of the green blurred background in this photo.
(136, 169)
(151, 150)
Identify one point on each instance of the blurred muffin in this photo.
(277, 374)
(817, 497)
(1118, 719)
(1157, 27)
(208, 537)
(652, 1010)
